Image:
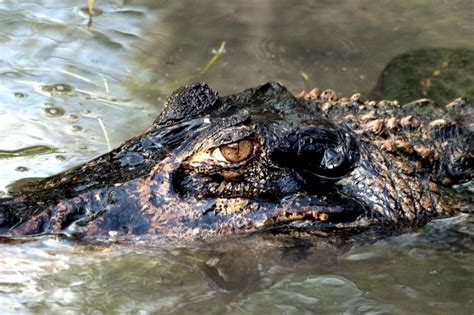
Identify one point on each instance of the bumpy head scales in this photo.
(258, 160)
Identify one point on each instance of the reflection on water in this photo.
(429, 272)
(69, 91)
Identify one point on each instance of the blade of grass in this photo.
(304, 75)
(177, 83)
(214, 59)
(106, 85)
(90, 7)
(77, 76)
(32, 150)
(104, 131)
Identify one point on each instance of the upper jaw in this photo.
(333, 211)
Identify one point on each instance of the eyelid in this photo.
(232, 135)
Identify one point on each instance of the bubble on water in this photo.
(21, 169)
(60, 158)
(72, 117)
(58, 89)
(52, 110)
(76, 128)
(20, 95)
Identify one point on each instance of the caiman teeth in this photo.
(289, 216)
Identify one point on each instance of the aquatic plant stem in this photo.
(104, 131)
(214, 59)
(90, 7)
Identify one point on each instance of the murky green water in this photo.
(68, 92)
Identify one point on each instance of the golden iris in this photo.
(238, 151)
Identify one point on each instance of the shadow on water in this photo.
(66, 87)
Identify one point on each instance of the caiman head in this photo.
(259, 160)
(263, 159)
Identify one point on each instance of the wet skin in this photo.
(261, 160)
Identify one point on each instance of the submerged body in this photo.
(261, 160)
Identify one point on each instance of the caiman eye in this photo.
(238, 151)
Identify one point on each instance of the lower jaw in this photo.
(319, 222)
(319, 229)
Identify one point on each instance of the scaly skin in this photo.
(261, 160)
(411, 153)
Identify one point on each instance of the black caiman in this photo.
(262, 160)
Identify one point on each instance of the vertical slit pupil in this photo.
(237, 151)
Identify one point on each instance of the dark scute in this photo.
(5, 218)
(277, 95)
(188, 102)
(270, 90)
